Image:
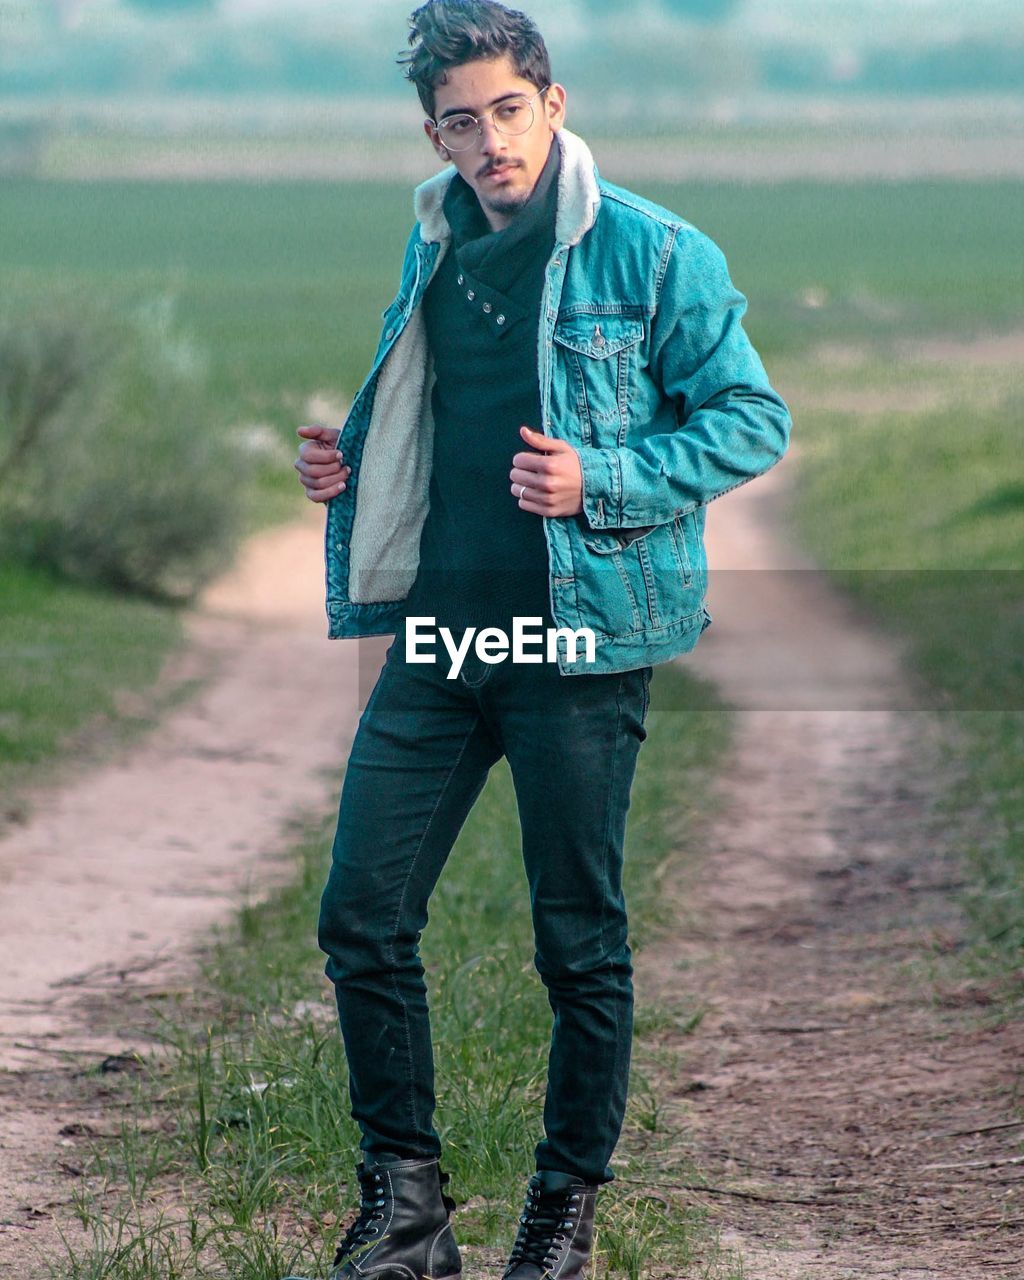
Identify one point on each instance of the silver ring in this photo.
(522, 490)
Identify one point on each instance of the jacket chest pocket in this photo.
(598, 353)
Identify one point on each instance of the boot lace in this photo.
(359, 1235)
(544, 1223)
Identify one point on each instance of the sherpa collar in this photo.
(578, 196)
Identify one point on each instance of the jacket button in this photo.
(462, 279)
(488, 308)
(471, 294)
(501, 319)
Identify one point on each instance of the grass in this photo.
(70, 657)
(919, 513)
(280, 286)
(234, 1151)
(283, 283)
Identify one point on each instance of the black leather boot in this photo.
(556, 1229)
(401, 1231)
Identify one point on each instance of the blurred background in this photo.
(230, 87)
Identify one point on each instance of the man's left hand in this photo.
(549, 481)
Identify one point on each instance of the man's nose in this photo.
(491, 141)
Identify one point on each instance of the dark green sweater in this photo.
(482, 559)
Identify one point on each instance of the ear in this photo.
(554, 106)
(439, 147)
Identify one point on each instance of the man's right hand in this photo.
(320, 465)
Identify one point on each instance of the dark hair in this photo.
(447, 33)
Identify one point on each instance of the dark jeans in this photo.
(419, 760)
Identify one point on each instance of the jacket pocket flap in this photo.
(598, 336)
(606, 541)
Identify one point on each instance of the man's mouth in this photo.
(499, 170)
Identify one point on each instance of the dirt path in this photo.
(114, 876)
(856, 1106)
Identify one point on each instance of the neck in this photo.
(498, 221)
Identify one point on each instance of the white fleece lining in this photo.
(394, 473)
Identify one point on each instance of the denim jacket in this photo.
(644, 369)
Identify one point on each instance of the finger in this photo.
(536, 508)
(535, 462)
(330, 469)
(535, 483)
(322, 482)
(324, 495)
(329, 435)
(546, 501)
(317, 452)
(538, 440)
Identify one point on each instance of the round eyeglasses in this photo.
(512, 116)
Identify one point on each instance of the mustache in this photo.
(491, 165)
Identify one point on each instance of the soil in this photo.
(851, 1097)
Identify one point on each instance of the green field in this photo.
(283, 284)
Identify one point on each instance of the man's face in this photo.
(502, 169)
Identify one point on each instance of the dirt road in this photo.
(853, 1102)
(105, 887)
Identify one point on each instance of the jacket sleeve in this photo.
(731, 425)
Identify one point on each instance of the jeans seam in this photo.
(604, 900)
(398, 916)
(609, 810)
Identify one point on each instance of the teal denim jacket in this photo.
(644, 368)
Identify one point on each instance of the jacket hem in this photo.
(641, 648)
(348, 621)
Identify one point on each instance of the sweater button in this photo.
(462, 279)
(488, 308)
(501, 319)
(471, 294)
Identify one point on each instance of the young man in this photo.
(562, 384)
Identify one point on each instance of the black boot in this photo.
(402, 1228)
(556, 1229)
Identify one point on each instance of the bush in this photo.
(112, 466)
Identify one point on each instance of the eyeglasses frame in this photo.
(478, 121)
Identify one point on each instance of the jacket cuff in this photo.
(602, 487)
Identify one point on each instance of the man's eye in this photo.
(510, 110)
(459, 125)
